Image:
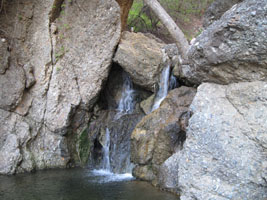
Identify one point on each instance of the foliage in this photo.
(84, 146)
(60, 53)
(182, 11)
(140, 19)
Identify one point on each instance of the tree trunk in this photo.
(173, 29)
(125, 6)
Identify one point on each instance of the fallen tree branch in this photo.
(171, 26)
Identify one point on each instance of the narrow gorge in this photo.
(115, 109)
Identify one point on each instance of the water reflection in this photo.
(75, 184)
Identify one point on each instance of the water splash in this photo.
(105, 172)
(111, 149)
(107, 176)
(163, 87)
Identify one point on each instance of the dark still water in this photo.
(77, 184)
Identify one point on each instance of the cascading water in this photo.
(105, 172)
(127, 103)
(173, 82)
(106, 160)
(163, 87)
(116, 146)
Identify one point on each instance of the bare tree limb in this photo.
(173, 29)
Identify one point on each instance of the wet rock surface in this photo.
(56, 58)
(224, 155)
(120, 129)
(115, 86)
(232, 49)
(118, 114)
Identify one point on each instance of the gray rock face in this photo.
(4, 54)
(225, 153)
(141, 57)
(158, 135)
(13, 82)
(232, 49)
(52, 77)
(10, 155)
(217, 9)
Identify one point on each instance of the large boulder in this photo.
(216, 10)
(232, 49)
(225, 152)
(142, 57)
(158, 135)
(56, 57)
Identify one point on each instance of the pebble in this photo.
(3, 40)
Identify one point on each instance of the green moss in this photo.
(58, 68)
(60, 53)
(84, 146)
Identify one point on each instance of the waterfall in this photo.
(127, 104)
(115, 164)
(106, 173)
(106, 160)
(163, 87)
(173, 82)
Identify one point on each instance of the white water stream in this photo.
(163, 88)
(105, 171)
(173, 83)
(127, 103)
(126, 106)
(106, 160)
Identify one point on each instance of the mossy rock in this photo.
(84, 146)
